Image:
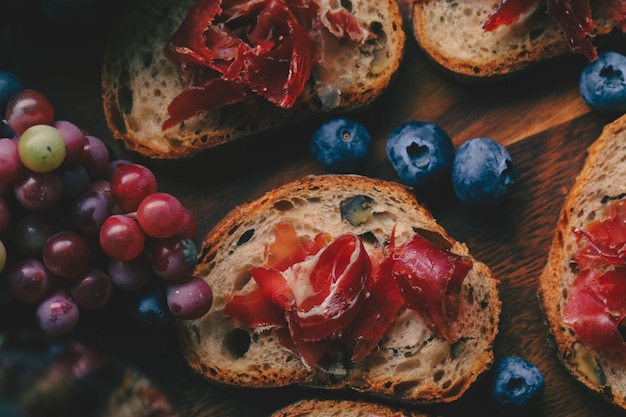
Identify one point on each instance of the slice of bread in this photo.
(138, 82)
(601, 177)
(410, 362)
(342, 408)
(451, 34)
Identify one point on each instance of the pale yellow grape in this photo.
(41, 148)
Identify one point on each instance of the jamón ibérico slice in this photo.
(379, 309)
(574, 17)
(212, 95)
(605, 239)
(286, 249)
(430, 280)
(342, 24)
(255, 310)
(508, 12)
(281, 72)
(595, 307)
(337, 282)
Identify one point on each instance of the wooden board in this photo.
(539, 117)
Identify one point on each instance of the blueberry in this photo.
(482, 173)
(340, 145)
(515, 386)
(152, 310)
(603, 83)
(10, 84)
(421, 153)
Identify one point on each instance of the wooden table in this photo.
(539, 117)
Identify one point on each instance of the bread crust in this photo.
(600, 177)
(450, 33)
(138, 82)
(411, 363)
(342, 408)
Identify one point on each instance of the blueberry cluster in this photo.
(423, 156)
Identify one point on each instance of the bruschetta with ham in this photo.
(182, 77)
(583, 286)
(343, 282)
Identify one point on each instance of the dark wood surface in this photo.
(540, 117)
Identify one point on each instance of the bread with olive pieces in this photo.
(342, 408)
(139, 82)
(599, 183)
(410, 363)
(451, 34)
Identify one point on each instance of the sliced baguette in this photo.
(342, 408)
(450, 33)
(411, 362)
(601, 176)
(138, 82)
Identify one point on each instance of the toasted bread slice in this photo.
(410, 363)
(138, 82)
(451, 34)
(342, 408)
(597, 185)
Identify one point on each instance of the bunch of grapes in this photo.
(77, 225)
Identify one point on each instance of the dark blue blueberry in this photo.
(603, 83)
(152, 310)
(340, 145)
(421, 153)
(482, 173)
(10, 84)
(515, 386)
(5, 130)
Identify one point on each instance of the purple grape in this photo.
(95, 158)
(32, 231)
(38, 192)
(5, 215)
(89, 212)
(92, 289)
(66, 254)
(30, 281)
(74, 140)
(74, 181)
(174, 258)
(58, 314)
(189, 299)
(131, 275)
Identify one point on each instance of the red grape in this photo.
(66, 254)
(28, 108)
(130, 184)
(38, 192)
(189, 299)
(121, 237)
(30, 281)
(92, 289)
(58, 314)
(160, 215)
(174, 258)
(189, 229)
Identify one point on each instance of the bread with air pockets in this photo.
(600, 182)
(139, 82)
(343, 408)
(411, 363)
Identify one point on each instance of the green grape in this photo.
(41, 148)
(3, 256)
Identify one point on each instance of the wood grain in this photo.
(539, 117)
